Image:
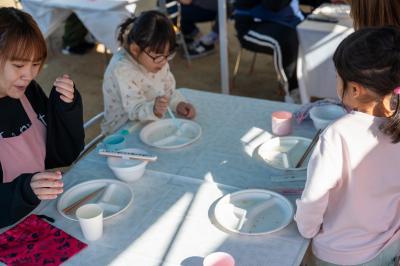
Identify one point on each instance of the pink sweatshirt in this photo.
(351, 202)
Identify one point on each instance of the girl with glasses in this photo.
(138, 83)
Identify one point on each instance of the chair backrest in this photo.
(172, 9)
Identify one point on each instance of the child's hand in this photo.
(47, 185)
(161, 105)
(65, 86)
(186, 110)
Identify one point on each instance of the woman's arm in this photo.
(17, 199)
(65, 132)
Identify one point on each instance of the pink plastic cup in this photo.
(281, 123)
(219, 259)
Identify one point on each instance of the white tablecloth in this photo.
(232, 128)
(315, 69)
(169, 222)
(100, 17)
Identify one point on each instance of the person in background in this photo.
(138, 83)
(272, 22)
(196, 11)
(350, 204)
(36, 132)
(74, 40)
(374, 13)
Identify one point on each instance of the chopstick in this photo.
(128, 155)
(309, 148)
(71, 208)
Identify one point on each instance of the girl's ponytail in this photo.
(123, 29)
(151, 29)
(392, 126)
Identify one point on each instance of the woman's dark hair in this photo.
(374, 13)
(20, 37)
(371, 57)
(151, 29)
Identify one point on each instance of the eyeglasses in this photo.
(161, 58)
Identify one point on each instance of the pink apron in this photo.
(24, 153)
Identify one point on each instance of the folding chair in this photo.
(88, 124)
(253, 37)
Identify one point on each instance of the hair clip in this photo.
(397, 90)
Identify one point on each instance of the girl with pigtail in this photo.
(350, 206)
(138, 83)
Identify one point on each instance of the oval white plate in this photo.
(114, 199)
(253, 212)
(162, 134)
(284, 152)
(334, 10)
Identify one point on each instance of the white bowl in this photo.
(323, 115)
(126, 169)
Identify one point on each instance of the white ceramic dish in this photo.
(128, 170)
(163, 134)
(323, 115)
(334, 10)
(284, 152)
(253, 212)
(115, 199)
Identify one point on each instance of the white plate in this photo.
(284, 152)
(334, 10)
(114, 199)
(253, 212)
(162, 134)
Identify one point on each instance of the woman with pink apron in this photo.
(36, 132)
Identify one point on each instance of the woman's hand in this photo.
(65, 86)
(160, 106)
(47, 185)
(186, 110)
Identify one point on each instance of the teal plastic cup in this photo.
(114, 142)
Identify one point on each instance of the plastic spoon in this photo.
(174, 120)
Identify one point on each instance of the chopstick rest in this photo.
(74, 206)
(128, 155)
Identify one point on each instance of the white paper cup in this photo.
(219, 259)
(90, 217)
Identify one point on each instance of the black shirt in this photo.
(64, 142)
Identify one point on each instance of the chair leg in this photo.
(185, 49)
(253, 62)
(236, 69)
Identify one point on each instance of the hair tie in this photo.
(397, 90)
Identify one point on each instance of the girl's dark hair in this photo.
(151, 29)
(20, 37)
(371, 57)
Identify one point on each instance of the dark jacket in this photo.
(206, 4)
(284, 12)
(64, 142)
